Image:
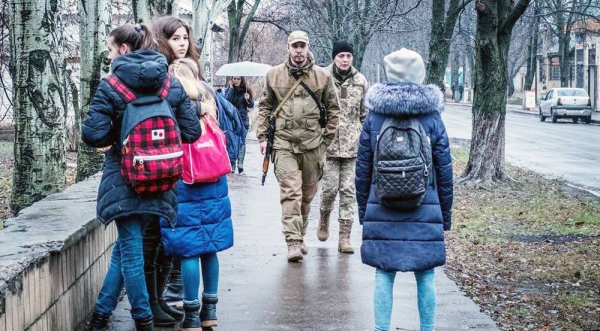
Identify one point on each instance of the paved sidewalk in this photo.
(260, 290)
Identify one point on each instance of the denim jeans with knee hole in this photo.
(126, 268)
(190, 273)
(384, 298)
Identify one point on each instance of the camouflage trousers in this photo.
(339, 177)
(298, 175)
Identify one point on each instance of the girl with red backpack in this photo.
(204, 225)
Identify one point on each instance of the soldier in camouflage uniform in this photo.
(341, 154)
(300, 143)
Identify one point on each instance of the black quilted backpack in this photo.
(402, 163)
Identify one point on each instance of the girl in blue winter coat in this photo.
(143, 71)
(204, 225)
(240, 95)
(405, 240)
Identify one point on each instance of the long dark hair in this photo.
(137, 36)
(243, 88)
(164, 28)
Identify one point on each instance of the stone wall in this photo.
(53, 259)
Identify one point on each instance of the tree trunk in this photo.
(145, 10)
(237, 30)
(565, 59)
(532, 50)
(39, 100)
(204, 15)
(442, 29)
(94, 21)
(486, 159)
(235, 21)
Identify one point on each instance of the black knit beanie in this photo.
(341, 46)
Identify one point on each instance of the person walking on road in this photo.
(143, 72)
(204, 225)
(302, 133)
(404, 239)
(240, 95)
(340, 163)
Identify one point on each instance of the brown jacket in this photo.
(297, 126)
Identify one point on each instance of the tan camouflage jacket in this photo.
(297, 126)
(352, 114)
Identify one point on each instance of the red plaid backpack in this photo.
(151, 140)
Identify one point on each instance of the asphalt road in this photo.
(558, 150)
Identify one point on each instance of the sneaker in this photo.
(240, 170)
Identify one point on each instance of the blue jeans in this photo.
(384, 298)
(190, 273)
(126, 267)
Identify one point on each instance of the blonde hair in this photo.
(186, 70)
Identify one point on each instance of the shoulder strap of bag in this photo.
(128, 95)
(322, 110)
(287, 96)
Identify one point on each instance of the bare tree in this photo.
(37, 72)
(5, 85)
(94, 22)
(237, 29)
(329, 21)
(144, 10)
(495, 22)
(443, 21)
(205, 12)
(560, 16)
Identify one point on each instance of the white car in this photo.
(566, 102)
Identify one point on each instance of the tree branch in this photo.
(512, 18)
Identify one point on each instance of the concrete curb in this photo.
(519, 110)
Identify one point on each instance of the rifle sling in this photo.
(287, 96)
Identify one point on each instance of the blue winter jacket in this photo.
(231, 124)
(397, 240)
(144, 72)
(203, 220)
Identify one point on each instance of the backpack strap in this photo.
(128, 95)
(119, 87)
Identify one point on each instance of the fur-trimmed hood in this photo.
(404, 99)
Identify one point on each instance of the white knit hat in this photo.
(404, 66)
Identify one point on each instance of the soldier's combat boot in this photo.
(294, 253)
(344, 245)
(303, 248)
(323, 229)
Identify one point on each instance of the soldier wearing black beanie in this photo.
(340, 47)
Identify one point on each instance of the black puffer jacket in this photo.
(143, 71)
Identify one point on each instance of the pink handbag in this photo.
(206, 159)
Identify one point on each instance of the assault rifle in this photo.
(269, 151)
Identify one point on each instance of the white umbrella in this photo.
(243, 69)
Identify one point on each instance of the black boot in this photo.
(144, 324)
(174, 291)
(208, 313)
(99, 322)
(162, 277)
(192, 320)
(160, 317)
